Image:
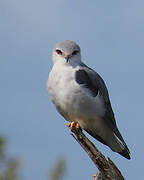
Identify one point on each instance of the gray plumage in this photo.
(80, 95)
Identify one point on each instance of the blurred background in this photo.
(111, 36)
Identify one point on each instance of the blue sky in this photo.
(111, 36)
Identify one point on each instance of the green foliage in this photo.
(8, 166)
(57, 173)
(2, 147)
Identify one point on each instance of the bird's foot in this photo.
(74, 126)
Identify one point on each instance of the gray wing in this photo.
(92, 80)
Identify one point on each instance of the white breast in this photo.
(72, 99)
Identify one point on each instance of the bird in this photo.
(80, 95)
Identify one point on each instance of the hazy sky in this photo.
(111, 36)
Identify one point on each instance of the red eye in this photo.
(59, 52)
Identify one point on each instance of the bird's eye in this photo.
(75, 52)
(59, 52)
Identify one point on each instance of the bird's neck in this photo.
(74, 63)
(71, 63)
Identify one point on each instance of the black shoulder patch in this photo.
(82, 78)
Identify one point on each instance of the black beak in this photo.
(67, 58)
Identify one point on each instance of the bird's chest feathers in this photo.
(62, 85)
(69, 96)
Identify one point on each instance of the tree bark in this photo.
(107, 169)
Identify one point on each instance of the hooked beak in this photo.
(67, 58)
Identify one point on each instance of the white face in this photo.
(67, 52)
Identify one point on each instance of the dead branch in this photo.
(107, 169)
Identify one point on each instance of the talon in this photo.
(78, 126)
(74, 125)
(68, 124)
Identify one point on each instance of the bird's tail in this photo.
(125, 152)
(119, 146)
(113, 142)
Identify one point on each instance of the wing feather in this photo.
(98, 84)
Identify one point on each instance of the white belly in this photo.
(70, 98)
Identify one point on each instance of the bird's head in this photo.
(67, 52)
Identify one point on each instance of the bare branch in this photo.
(107, 169)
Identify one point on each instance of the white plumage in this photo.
(80, 95)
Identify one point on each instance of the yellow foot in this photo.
(74, 125)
